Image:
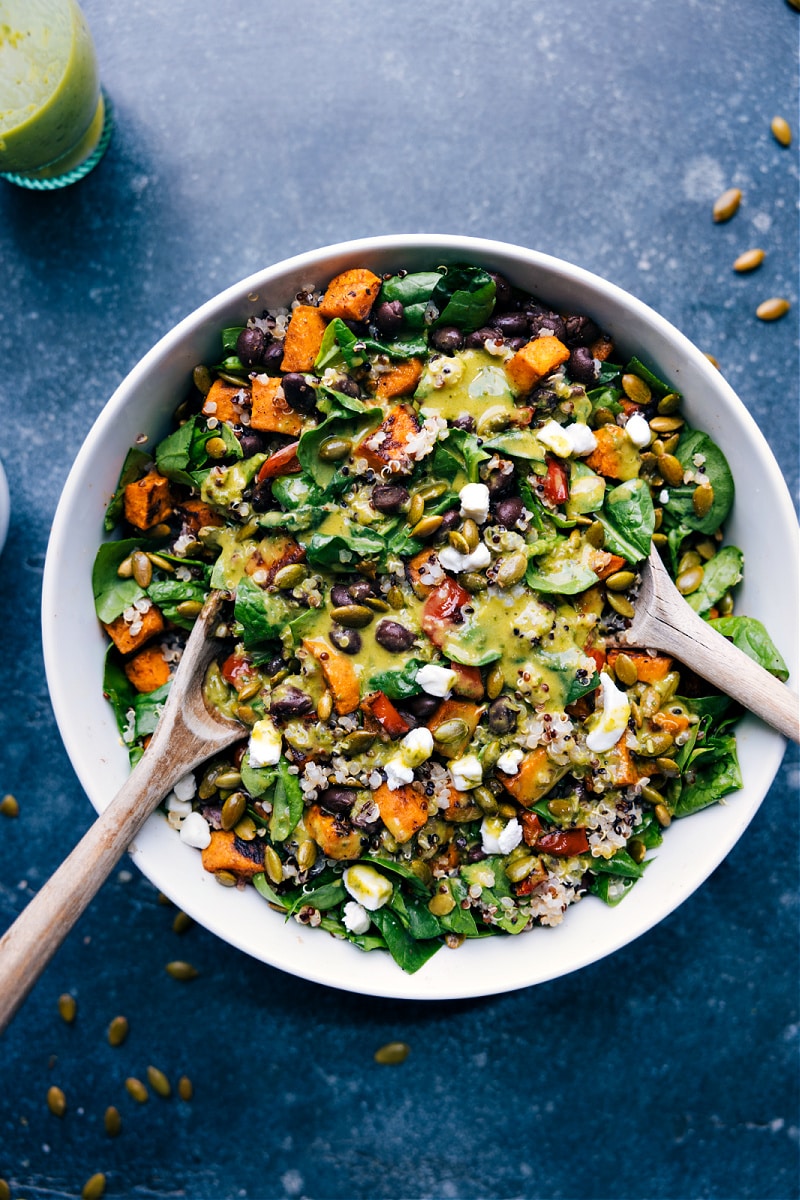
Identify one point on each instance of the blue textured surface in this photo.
(601, 133)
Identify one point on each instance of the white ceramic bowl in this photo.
(762, 523)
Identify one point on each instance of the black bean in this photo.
(502, 290)
(337, 799)
(507, 512)
(348, 640)
(478, 339)
(580, 366)
(340, 595)
(552, 323)
(447, 339)
(347, 386)
(515, 343)
(423, 706)
(512, 324)
(299, 393)
(581, 331)
(388, 498)
(464, 421)
(502, 716)
(273, 356)
(450, 519)
(359, 590)
(261, 498)
(544, 399)
(250, 346)
(389, 316)
(501, 483)
(290, 702)
(393, 636)
(251, 442)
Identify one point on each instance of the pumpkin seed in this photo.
(668, 686)
(357, 742)
(333, 449)
(637, 850)
(246, 531)
(441, 904)
(94, 1187)
(125, 568)
(273, 865)
(703, 499)
(473, 581)
(671, 469)
(492, 420)
(485, 799)
(636, 713)
(216, 448)
(781, 131)
(306, 854)
(290, 576)
(432, 491)
(773, 309)
(185, 1089)
(620, 581)
(181, 970)
(250, 689)
(228, 779)
(662, 815)
(596, 535)
(490, 755)
(451, 731)
(670, 443)
(650, 702)
(454, 940)
(706, 549)
(471, 534)
(415, 510)
(189, 608)
(202, 380)
(690, 559)
(636, 389)
(422, 871)
(233, 810)
(667, 767)
(56, 1101)
(669, 404)
(158, 1081)
(626, 670)
(655, 743)
(141, 568)
(560, 807)
(352, 616)
(162, 530)
(118, 1031)
(604, 416)
(659, 540)
(235, 380)
(225, 878)
(5, 1190)
(510, 568)
(245, 829)
(749, 260)
(392, 1054)
(620, 604)
(521, 868)
(112, 1121)
(182, 923)
(246, 714)
(727, 204)
(725, 605)
(377, 604)
(395, 597)
(494, 682)
(652, 795)
(325, 706)
(458, 541)
(67, 1007)
(426, 526)
(666, 424)
(689, 581)
(136, 1090)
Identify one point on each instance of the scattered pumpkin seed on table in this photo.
(773, 309)
(67, 1007)
(726, 205)
(181, 970)
(9, 806)
(94, 1187)
(781, 131)
(749, 260)
(112, 1121)
(118, 1031)
(158, 1081)
(185, 1088)
(136, 1089)
(392, 1054)
(56, 1101)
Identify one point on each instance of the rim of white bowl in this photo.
(495, 970)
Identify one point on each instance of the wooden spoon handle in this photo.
(705, 651)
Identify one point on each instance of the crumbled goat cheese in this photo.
(638, 431)
(567, 440)
(264, 747)
(173, 804)
(613, 719)
(509, 762)
(436, 680)
(195, 831)
(467, 772)
(355, 917)
(453, 560)
(497, 837)
(185, 788)
(474, 499)
(367, 886)
(413, 750)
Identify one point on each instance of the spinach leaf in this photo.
(265, 889)
(459, 920)
(517, 443)
(183, 453)
(262, 615)
(339, 552)
(341, 346)
(414, 291)
(137, 463)
(230, 336)
(415, 915)
(605, 397)
(601, 886)
(287, 804)
(148, 707)
(407, 952)
(295, 491)
(257, 780)
(621, 864)
(324, 892)
(710, 777)
(459, 452)
(398, 868)
(464, 297)
(679, 507)
(168, 594)
(353, 426)
(750, 636)
(628, 518)
(567, 578)
(720, 574)
(113, 595)
(119, 691)
(398, 685)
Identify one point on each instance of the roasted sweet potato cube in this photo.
(617, 768)
(148, 670)
(650, 668)
(270, 412)
(271, 554)
(536, 776)
(334, 835)
(386, 447)
(403, 810)
(146, 625)
(400, 380)
(534, 361)
(303, 338)
(197, 515)
(615, 455)
(421, 568)
(604, 564)
(339, 673)
(602, 348)
(227, 852)
(148, 501)
(224, 401)
(673, 722)
(455, 710)
(469, 683)
(351, 295)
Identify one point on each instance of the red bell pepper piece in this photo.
(381, 708)
(556, 483)
(441, 606)
(564, 843)
(282, 462)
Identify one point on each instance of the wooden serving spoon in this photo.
(186, 735)
(664, 621)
